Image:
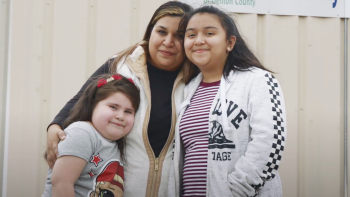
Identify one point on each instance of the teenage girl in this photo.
(231, 130)
(90, 158)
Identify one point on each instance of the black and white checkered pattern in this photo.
(279, 140)
(257, 188)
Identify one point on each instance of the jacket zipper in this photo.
(156, 167)
(156, 161)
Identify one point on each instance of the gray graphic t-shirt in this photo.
(103, 174)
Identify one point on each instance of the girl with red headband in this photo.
(90, 159)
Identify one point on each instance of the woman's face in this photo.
(205, 42)
(165, 45)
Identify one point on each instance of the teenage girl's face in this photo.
(165, 45)
(114, 116)
(205, 42)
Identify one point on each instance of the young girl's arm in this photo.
(64, 175)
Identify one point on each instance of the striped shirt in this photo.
(194, 127)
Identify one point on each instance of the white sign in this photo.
(321, 8)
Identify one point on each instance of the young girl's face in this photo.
(205, 42)
(114, 116)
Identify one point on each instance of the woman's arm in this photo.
(64, 175)
(54, 131)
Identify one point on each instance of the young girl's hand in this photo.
(54, 135)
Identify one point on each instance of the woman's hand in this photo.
(54, 135)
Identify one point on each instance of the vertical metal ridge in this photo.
(345, 107)
(7, 61)
(134, 27)
(91, 38)
(47, 20)
(261, 37)
(302, 42)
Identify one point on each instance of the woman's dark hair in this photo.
(240, 58)
(170, 8)
(83, 109)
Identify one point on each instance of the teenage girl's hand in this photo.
(54, 135)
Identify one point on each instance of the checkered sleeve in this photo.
(267, 124)
(279, 132)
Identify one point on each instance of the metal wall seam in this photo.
(134, 27)
(91, 35)
(7, 102)
(345, 108)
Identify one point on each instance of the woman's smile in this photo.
(166, 53)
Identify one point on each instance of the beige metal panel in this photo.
(320, 129)
(280, 50)
(69, 51)
(247, 26)
(26, 93)
(113, 29)
(47, 39)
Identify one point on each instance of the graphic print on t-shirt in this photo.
(91, 173)
(217, 138)
(110, 182)
(96, 159)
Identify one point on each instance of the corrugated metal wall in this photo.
(56, 45)
(4, 37)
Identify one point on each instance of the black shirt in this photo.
(161, 84)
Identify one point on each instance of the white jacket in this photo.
(144, 174)
(246, 139)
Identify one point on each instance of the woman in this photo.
(238, 103)
(155, 66)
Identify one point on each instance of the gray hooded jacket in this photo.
(247, 136)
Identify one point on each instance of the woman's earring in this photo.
(228, 49)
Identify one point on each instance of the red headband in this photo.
(103, 82)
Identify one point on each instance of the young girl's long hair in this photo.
(83, 109)
(240, 58)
